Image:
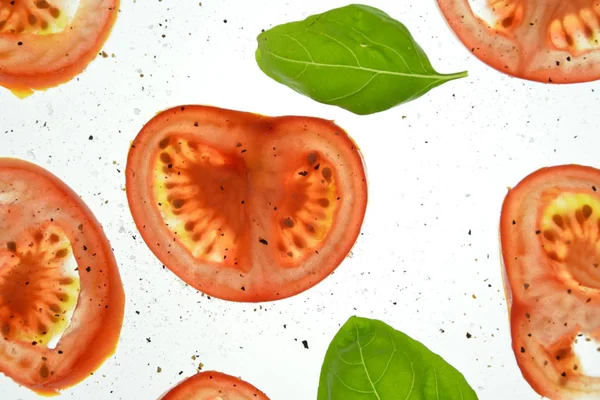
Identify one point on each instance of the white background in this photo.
(438, 168)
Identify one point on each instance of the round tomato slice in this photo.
(550, 238)
(212, 385)
(245, 207)
(44, 43)
(552, 41)
(61, 297)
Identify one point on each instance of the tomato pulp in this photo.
(245, 207)
(211, 385)
(552, 41)
(42, 46)
(550, 238)
(56, 266)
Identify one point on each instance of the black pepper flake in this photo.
(243, 288)
(20, 43)
(538, 232)
(526, 285)
(263, 241)
(469, 336)
(527, 315)
(60, 352)
(88, 269)
(522, 349)
(305, 344)
(564, 374)
(514, 222)
(303, 173)
(594, 188)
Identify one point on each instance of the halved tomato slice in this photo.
(552, 41)
(245, 207)
(550, 237)
(61, 297)
(212, 385)
(44, 43)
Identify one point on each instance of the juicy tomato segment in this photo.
(44, 43)
(246, 207)
(212, 385)
(56, 266)
(550, 237)
(552, 41)
(38, 269)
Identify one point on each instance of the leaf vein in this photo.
(460, 390)
(382, 72)
(299, 44)
(376, 43)
(437, 391)
(340, 43)
(388, 362)
(353, 93)
(362, 358)
(344, 360)
(350, 387)
(412, 372)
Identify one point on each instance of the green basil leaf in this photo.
(369, 359)
(356, 57)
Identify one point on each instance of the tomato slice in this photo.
(44, 43)
(550, 237)
(56, 266)
(552, 41)
(245, 207)
(213, 385)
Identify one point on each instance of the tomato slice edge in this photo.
(22, 77)
(500, 52)
(550, 379)
(138, 160)
(105, 342)
(211, 380)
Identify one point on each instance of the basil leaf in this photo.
(356, 57)
(369, 359)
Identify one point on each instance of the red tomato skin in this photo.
(525, 345)
(211, 379)
(105, 341)
(256, 123)
(500, 51)
(22, 80)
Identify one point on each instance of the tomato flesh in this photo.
(550, 237)
(552, 41)
(246, 207)
(212, 385)
(56, 265)
(42, 46)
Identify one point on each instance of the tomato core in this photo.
(38, 290)
(552, 41)
(570, 231)
(246, 207)
(39, 16)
